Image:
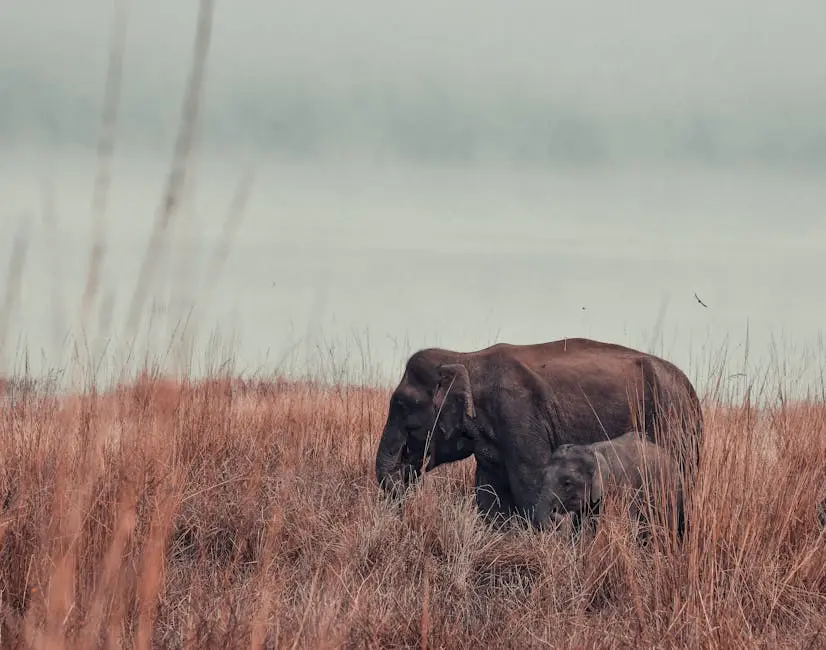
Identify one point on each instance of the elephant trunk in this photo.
(391, 475)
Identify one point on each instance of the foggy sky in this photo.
(587, 77)
(524, 83)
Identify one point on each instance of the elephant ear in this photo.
(453, 378)
(600, 476)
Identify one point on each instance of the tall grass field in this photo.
(228, 514)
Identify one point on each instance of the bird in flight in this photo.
(697, 298)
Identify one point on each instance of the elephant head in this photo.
(429, 421)
(573, 482)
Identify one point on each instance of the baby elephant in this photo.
(577, 476)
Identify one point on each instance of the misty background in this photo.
(428, 174)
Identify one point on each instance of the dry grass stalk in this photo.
(49, 216)
(106, 148)
(14, 281)
(177, 175)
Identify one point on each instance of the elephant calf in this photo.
(577, 476)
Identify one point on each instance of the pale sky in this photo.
(736, 60)
(645, 51)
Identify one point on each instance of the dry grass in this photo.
(228, 514)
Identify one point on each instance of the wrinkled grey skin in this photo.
(578, 477)
(511, 406)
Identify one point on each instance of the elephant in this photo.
(510, 406)
(578, 476)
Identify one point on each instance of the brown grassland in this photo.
(229, 514)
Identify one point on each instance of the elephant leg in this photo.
(493, 496)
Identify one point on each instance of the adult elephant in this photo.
(511, 406)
